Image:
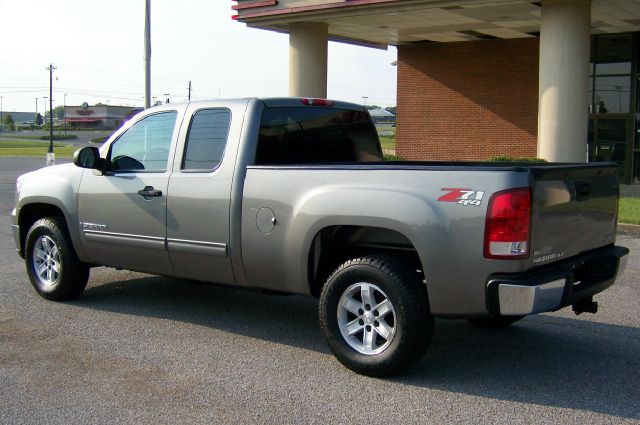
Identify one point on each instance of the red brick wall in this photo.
(467, 101)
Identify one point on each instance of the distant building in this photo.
(20, 117)
(99, 117)
(382, 116)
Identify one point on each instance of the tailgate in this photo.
(574, 210)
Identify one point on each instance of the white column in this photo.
(308, 59)
(564, 77)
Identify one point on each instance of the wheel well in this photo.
(334, 245)
(31, 213)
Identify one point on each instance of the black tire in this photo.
(53, 267)
(495, 322)
(412, 324)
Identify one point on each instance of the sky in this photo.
(97, 47)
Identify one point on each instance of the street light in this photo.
(1, 121)
(51, 156)
(365, 99)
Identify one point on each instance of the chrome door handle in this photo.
(150, 192)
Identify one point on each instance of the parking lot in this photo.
(137, 348)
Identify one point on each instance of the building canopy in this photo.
(394, 22)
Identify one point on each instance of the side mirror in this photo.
(88, 157)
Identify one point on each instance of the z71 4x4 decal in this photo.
(462, 196)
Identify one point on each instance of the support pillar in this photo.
(308, 59)
(565, 40)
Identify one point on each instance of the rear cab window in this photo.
(316, 135)
(206, 140)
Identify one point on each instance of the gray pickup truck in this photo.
(292, 195)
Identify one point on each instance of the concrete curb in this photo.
(632, 229)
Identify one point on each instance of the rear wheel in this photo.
(374, 315)
(53, 267)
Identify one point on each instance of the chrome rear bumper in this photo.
(556, 286)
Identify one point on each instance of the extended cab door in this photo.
(123, 213)
(198, 223)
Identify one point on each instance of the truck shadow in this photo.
(543, 360)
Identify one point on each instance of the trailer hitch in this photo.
(586, 305)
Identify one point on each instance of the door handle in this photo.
(149, 192)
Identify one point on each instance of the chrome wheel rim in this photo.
(366, 318)
(46, 261)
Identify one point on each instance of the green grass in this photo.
(388, 142)
(629, 210)
(21, 148)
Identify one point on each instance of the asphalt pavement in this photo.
(137, 348)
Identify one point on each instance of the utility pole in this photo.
(51, 156)
(1, 121)
(64, 111)
(147, 54)
(36, 117)
(189, 97)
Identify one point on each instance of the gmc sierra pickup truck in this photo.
(292, 195)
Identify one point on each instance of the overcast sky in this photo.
(98, 49)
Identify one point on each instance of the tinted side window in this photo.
(308, 135)
(206, 139)
(145, 146)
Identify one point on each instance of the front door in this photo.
(123, 213)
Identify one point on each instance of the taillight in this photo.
(508, 227)
(317, 102)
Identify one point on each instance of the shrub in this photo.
(60, 137)
(388, 157)
(503, 158)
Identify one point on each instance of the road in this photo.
(143, 349)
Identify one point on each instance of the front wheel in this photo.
(53, 267)
(375, 316)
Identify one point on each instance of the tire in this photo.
(495, 322)
(53, 267)
(385, 335)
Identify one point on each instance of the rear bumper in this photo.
(552, 287)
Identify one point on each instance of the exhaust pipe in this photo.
(586, 305)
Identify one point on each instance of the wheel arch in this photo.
(335, 244)
(29, 213)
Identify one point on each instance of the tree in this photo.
(38, 119)
(391, 109)
(9, 122)
(372, 107)
(58, 112)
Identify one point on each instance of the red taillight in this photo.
(508, 227)
(317, 102)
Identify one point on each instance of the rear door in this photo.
(198, 222)
(574, 210)
(123, 213)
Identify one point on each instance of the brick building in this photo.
(478, 78)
